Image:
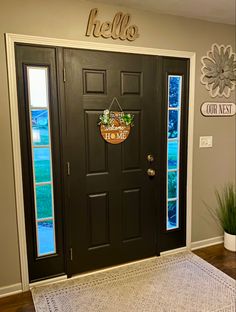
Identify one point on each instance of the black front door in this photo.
(112, 200)
(90, 204)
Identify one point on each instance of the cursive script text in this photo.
(119, 28)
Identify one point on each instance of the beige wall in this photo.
(67, 19)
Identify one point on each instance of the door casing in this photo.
(11, 39)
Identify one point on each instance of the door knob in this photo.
(151, 172)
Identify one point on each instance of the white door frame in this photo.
(11, 39)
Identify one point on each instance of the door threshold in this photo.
(173, 251)
(112, 267)
(48, 281)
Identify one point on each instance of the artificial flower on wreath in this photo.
(106, 119)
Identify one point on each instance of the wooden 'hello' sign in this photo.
(119, 28)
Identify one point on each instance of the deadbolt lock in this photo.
(151, 172)
(150, 158)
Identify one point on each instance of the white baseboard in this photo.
(10, 290)
(196, 245)
(207, 242)
(173, 251)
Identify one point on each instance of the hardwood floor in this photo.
(17, 303)
(221, 258)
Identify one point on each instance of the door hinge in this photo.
(68, 168)
(64, 74)
(71, 254)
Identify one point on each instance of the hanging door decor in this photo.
(115, 125)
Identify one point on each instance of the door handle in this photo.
(151, 172)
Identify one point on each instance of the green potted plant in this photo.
(226, 214)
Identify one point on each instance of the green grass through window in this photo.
(44, 201)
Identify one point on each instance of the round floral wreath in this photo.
(219, 70)
(106, 118)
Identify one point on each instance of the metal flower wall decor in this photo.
(219, 70)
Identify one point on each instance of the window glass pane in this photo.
(172, 215)
(172, 184)
(44, 201)
(175, 85)
(173, 145)
(173, 152)
(40, 127)
(38, 86)
(46, 244)
(173, 124)
(42, 164)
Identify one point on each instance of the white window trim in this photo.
(11, 39)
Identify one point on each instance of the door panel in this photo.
(174, 238)
(98, 220)
(131, 148)
(94, 145)
(131, 214)
(40, 146)
(113, 210)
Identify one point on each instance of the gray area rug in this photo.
(181, 282)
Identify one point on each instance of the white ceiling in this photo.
(221, 11)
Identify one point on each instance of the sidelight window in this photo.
(39, 115)
(173, 150)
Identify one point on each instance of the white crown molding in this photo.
(14, 38)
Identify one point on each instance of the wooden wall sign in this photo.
(119, 28)
(210, 109)
(117, 132)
